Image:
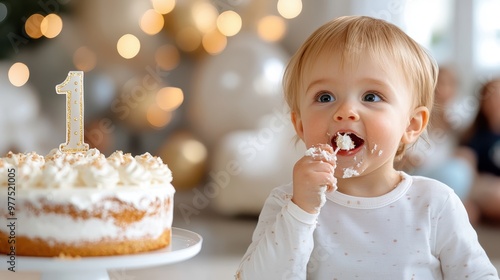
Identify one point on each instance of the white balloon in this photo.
(21, 125)
(248, 164)
(235, 88)
(33, 136)
(19, 104)
(99, 92)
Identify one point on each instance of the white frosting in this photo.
(133, 173)
(58, 176)
(349, 172)
(28, 174)
(5, 168)
(318, 152)
(85, 169)
(159, 171)
(375, 148)
(99, 174)
(344, 142)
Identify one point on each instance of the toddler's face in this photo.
(371, 103)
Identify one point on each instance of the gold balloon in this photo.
(187, 157)
(137, 104)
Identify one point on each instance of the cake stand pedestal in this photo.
(184, 245)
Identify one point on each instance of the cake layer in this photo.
(41, 248)
(84, 215)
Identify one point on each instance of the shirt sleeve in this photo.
(282, 241)
(458, 248)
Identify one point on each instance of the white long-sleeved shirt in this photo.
(420, 230)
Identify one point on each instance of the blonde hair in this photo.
(352, 36)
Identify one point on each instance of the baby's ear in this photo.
(297, 124)
(416, 125)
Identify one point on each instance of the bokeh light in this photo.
(51, 25)
(163, 6)
(84, 59)
(187, 157)
(271, 28)
(229, 23)
(194, 151)
(289, 8)
(19, 74)
(128, 46)
(32, 26)
(204, 16)
(151, 22)
(157, 117)
(169, 98)
(188, 39)
(214, 42)
(167, 57)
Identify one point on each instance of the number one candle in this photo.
(73, 88)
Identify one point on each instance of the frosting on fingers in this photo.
(318, 152)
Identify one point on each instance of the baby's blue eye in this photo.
(372, 97)
(325, 97)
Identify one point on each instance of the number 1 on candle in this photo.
(73, 88)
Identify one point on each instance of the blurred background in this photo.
(198, 83)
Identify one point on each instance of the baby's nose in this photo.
(346, 112)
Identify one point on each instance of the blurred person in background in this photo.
(483, 138)
(440, 155)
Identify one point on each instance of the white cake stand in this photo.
(185, 245)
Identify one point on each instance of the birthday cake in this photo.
(84, 204)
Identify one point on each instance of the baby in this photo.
(368, 87)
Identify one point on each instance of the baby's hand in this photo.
(313, 176)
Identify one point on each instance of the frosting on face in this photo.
(90, 169)
(318, 152)
(344, 142)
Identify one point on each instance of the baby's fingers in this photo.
(331, 186)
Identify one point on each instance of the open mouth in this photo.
(346, 141)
